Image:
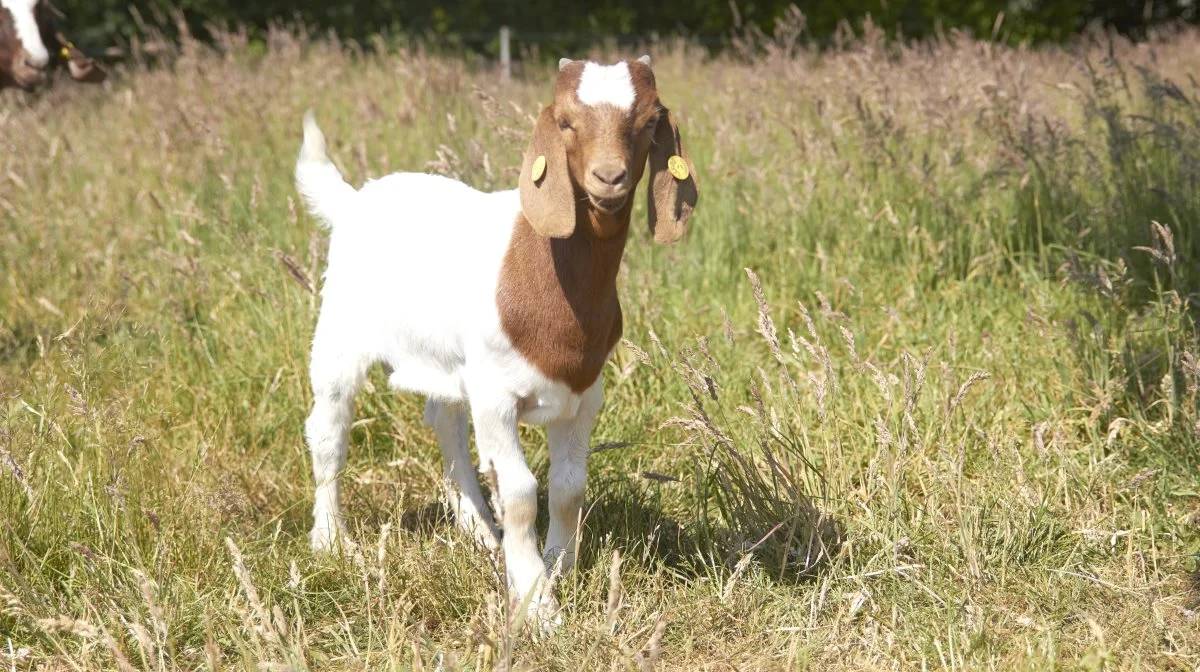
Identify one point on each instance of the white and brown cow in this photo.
(31, 45)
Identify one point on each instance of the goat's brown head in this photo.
(590, 148)
(30, 44)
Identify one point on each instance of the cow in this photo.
(31, 44)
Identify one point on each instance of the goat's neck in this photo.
(595, 249)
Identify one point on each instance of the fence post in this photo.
(505, 53)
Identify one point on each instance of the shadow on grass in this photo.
(631, 516)
(652, 519)
(617, 512)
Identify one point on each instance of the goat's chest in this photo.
(558, 305)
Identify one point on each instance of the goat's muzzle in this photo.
(607, 184)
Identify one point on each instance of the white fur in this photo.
(414, 261)
(27, 30)
(606, 85)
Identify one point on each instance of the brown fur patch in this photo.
(9, 46)
(558, 304)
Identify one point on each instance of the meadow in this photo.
(918, 390)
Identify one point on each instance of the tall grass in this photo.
(918, 390)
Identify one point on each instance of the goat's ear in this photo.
(547, 196)
(81, 67)
(672, 189)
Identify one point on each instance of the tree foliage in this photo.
(474, 23)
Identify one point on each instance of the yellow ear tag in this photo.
(678, 167)
(66, 53)
(539, 168)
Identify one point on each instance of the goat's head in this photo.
(30, 44)
(590, 148)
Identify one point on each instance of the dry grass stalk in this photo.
(14, 468)
(265, 627)
(766, 327)
(964, 388)
(293, 269)
(613, 604)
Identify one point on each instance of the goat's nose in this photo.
(611, 173)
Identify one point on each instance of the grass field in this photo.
(917, 390)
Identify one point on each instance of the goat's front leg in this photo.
(569, 446)
(500, 449)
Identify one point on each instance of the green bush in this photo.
(474, 23)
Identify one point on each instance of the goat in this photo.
(502, 305)
(27, 29)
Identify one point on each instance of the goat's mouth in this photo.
(609, 204)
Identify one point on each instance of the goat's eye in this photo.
(565, 125)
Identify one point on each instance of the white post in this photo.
(505, 54)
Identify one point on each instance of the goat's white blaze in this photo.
(606, 84)
(27, 30)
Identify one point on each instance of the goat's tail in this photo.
(322, 187)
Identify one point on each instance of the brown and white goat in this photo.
(31, 44)
(499, 305)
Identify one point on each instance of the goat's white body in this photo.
(390, 296)
(414, 262)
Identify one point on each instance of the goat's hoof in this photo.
(331, 540)
(542, 612)
(544, 615)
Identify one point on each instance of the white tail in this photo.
(322, 187)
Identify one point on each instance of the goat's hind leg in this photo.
(449, 422)
(335, 383)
